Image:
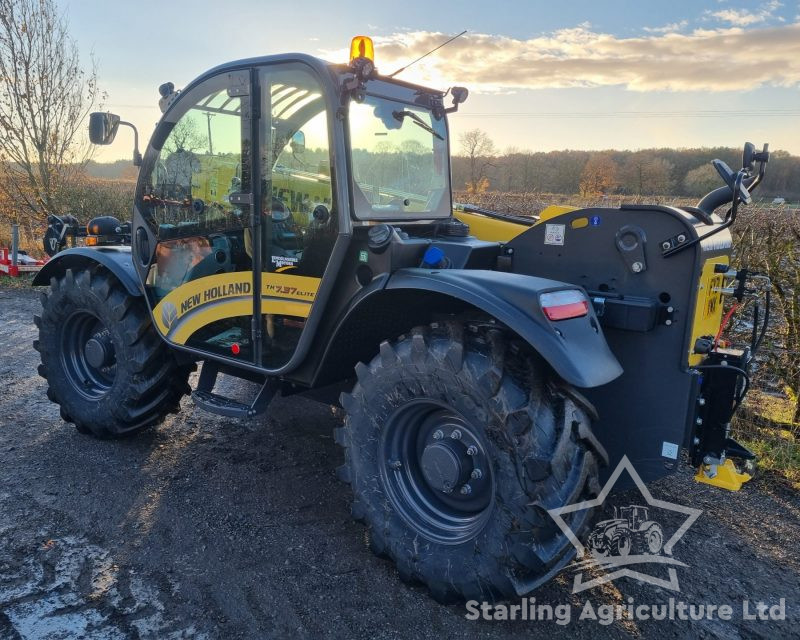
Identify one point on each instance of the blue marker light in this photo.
(433, 258)
(594, 221)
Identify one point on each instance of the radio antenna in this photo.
(392, 75)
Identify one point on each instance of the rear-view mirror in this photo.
(103, 127)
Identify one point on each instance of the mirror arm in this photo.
(137, 156)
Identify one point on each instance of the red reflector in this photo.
(235, 349)
(562, 305)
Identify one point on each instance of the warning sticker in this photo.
(554, 234)
(669, 450)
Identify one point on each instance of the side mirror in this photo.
(298, 142)
(749, 157)
(459, 95)
(103, 127)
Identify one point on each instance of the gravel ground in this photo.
(212, 528)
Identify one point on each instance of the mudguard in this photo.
(116, 259)
(575, 348)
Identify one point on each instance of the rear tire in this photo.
(128, 379)
(531, 440)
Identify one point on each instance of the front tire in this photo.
(105, 366)
(429, 411)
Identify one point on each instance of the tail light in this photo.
(563, 305)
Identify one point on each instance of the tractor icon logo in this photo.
(632, 538)
(629, 532)
(168, 314)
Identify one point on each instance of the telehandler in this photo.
(294, 226)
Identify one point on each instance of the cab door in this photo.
(194, 205)
(300, 217)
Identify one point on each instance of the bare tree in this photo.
(45, 95)
(599, 175)
(479, 150)
(645, 173)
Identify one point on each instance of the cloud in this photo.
(739, 17)
(668, 28)
(704, 60)
(745, 18)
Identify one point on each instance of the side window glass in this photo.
(296, 169)
(190, 193)
(199, 167)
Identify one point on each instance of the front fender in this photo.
(575, 348)
(116, 259)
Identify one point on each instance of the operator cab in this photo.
(239, 213)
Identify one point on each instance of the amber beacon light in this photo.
(362, 47)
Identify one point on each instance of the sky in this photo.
(542, 75)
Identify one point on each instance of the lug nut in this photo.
(438, 434)
(456, 435)
(446, 487)
(665, 246)
(681, 238)
(701, 402)
(637, 267)
(696, 441)
(395, 464)
(472, 450)
(466, 490)
(476, 474)
(699, 421)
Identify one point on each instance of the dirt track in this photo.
(210, 528)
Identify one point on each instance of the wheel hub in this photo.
(436, 471)
(98, 352)
(87, 354)
(445, 465)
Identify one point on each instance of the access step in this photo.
(205, 398)
(221, 405)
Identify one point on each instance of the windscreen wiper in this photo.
(399, 115)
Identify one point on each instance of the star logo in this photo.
(632, 537)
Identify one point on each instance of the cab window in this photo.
(399, 159)
(189, 193)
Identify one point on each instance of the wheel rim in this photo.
(436, 471)
(88, 355)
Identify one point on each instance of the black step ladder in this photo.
(206, 399)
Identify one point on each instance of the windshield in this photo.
(399, 160)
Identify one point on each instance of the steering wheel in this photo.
(735, 181)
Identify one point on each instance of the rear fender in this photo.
(116, 259)
(576, 348)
